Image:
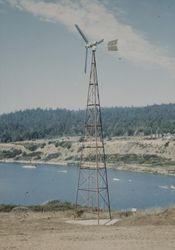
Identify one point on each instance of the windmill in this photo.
(92, 189)
(112, 45)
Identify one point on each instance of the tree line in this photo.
(117, 121)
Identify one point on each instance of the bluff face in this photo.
(143, 154)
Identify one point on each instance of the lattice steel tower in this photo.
(92, 189)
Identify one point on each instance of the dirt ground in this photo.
(49, 230)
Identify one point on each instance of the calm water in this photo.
(20, 185)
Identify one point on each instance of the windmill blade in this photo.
(112, 45)
(100, 41)
(81, 33)
(86, 56)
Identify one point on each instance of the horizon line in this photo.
(82, 109)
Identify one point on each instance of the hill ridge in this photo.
(40, 123)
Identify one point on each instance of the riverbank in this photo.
(140, 154)
(169, 171)
(50, 230)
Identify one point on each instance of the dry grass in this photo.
(48, 230)
(154, 218)
(67, 210)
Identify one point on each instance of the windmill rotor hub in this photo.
(92, 45)
(112, 45)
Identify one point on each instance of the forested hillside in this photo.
(117, 121)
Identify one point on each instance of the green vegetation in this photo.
(28, 156)
(10, 153)
(52, 156)
(54, 205)
(6, 208)
(64, 144)
(136, 159)
(117, 121)
(33, 146)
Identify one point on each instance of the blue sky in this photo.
(42, 54)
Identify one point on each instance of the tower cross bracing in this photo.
(92, 189)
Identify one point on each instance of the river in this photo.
(20, 184)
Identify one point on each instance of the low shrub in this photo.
(10, 153)
(52, 156)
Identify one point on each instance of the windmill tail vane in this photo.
(112, 45)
